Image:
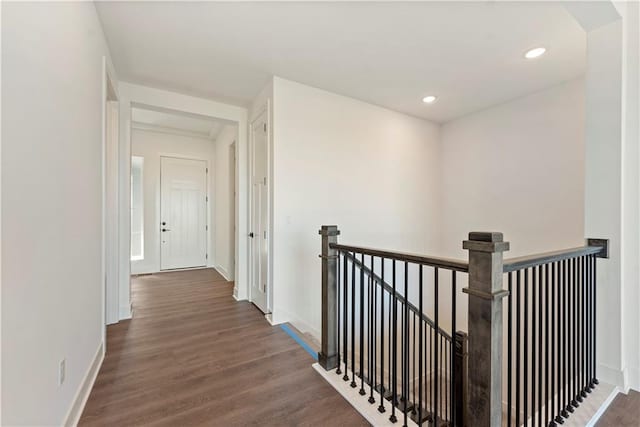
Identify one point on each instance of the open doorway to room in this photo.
(180, 198)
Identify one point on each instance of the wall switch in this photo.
(62, 371)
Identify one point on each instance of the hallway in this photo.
(192, 355)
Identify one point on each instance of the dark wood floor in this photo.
(624, 411)
(192, 355)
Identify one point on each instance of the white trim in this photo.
(298, 323)
(110, 243)
(269, 318)
(360, 403)
(610, 375)
(269, 228)
(126, 312)
(601, 410)
(169, 130)
(82, 395)
(632, 375)
(223, 272)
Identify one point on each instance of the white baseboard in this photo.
(601, 410)
(223, 271)
(299, 324)
(632, 376)
(80, 399)
(360, 403)
(126, 312)
(610, 375)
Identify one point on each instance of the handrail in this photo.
(400, 298)
(446, 263)
(518, 263)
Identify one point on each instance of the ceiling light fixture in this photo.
(535, 52)
(430, 99)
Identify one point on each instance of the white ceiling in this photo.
(391, 54)
(195, 126)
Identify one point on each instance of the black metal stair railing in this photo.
(388, 345)
(551, 358)
(389, 329)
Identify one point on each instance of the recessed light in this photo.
(535, 52)
(430, 99)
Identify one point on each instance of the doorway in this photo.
(183, 201)
(259, 234)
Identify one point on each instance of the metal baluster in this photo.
(405, 342)
(579, 377)
(353, 321)
(562, 335)
(554, 380)
(413, 355)
(361, 391)
(594, 379)
(437, 329)
(547, 403)
(533, 345)
(566, 318)
(589, 325)
(438, 373)
(576, 333)
(394, 383)
(374, 306)
(431, 369)
(585, 327)
(338, 276)
(540, 374)
(453, 334)
(525, 391)
(420, 278)
(345, 313)
(509, 346)
(518, 343)
(382, 390)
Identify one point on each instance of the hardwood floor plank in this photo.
(192, 355)
(624, 411)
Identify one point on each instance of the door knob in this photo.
(165, 229)
(251, 235)
(164, 223)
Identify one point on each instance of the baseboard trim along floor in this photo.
(367, 410)
(82, 395)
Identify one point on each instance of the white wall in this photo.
(336, 160)
(151, 145)
(52, 89)
(517, 168)
(224, 202)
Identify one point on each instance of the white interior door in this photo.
(183, 213)
(259, 215)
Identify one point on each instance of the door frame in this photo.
(110, 284)
(132, 95)
(269, 228)
(233, 156)
(209, 210)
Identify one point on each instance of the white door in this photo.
(259, 214)
(183, 213)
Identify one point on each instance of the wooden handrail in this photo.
(445, 263)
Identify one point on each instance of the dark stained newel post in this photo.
(328, 356)
(485, 327)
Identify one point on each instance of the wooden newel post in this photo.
(485, 327)
(328, 356)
